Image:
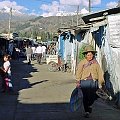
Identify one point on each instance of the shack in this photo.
(102, 30)
(66, 47)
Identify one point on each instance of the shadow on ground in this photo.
(13, 109)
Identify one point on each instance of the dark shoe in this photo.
(87, 115)
(90, 109)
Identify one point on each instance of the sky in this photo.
(47, 8)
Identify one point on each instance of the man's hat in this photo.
(89, 48)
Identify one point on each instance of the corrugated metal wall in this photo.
(107, 56)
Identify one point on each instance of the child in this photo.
(7, 85)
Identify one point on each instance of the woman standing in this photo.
(89, 78)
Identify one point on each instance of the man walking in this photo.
(33, 54)
(39, 53)
(44, 51)
(29, 53)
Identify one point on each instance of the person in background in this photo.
(44, 51)
(29, 53)
(10, 48)
(39, 53)
(89, 78)
(33, 54)
(17, 51)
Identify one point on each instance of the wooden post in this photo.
(9, 28)
(89, 6)
(77, 15)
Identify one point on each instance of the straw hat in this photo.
(89, 48)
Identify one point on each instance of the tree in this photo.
(35, 34)
(43, 36)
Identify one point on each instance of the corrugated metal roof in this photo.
(86, 18)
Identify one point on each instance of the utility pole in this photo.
(9, 28)
(89, 6)
(58, 18)
(61, 19)
(77, 15)
(118, 4)
(72, 20)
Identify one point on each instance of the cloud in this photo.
(16, 9)
(70, 2)
(96, 2)
(66, 7)
(50, 9)
(111, 4)
(84, 3)
(33, 13)
(84, 11)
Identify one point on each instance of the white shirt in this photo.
(7, 65)
(43, 49)
(38, 49)
(18, 50)
(33, 49)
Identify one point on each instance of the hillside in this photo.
(49, 24)
(15, 21)
(27, 25)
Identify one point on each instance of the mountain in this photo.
(38, 24)
(24, 17)
(15, 21)
(49, 24)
